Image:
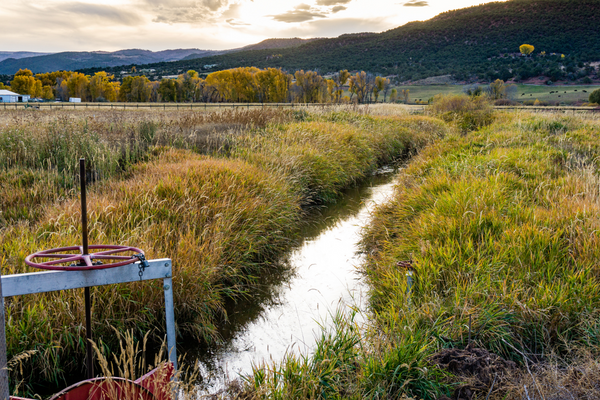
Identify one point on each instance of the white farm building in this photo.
(6, 96)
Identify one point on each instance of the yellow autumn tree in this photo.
(101, 86)
(78, 85)
(526, 49)
(380, 85)
(359, 86)
(272, 85)
(25, 83)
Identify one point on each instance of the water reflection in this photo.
(317, 277)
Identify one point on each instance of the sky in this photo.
(109, 25)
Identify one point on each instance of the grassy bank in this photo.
(222, 202)
(501, 225)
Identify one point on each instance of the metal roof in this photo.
(8, 93)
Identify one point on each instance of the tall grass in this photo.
(39, 150)
(222, 218)
(351, 362)
(502, 225)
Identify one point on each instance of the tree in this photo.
(311, 86)
(379, 86)
(272, 85)
(136, 89)
(79, 85)
(101, 87)
(406, 95)
(47, 93)
(25, 83)
(526, 49)
(595, 96)
(497, 90)
(394, 96)
(339, 80)
(167, 89)
(360, 86)
(61, 90)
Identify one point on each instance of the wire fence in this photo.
(163, 106)
(216, 106)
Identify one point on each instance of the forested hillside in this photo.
(72, 60)
(482, 40)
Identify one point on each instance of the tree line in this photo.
(240, 85)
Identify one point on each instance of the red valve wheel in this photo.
(116, 256)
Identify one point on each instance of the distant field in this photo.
(574, 93)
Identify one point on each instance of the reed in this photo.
(223, 211)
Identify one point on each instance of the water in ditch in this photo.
(287, 312)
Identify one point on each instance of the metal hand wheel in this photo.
(110, 256)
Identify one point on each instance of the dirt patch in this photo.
(483, 371)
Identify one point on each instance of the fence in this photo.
(163, 106)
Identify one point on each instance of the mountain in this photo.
(265, 44)
(269, 44)
(18, 54)
(11, 62)
(482, 40)
(102, 59)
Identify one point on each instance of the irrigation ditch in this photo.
(318, 278)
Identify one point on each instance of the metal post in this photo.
(4, 391)
(89, 360)
(170, 319)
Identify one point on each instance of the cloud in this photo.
(301, 13)
(297, 16)
(332, 2)
(234, 22)
(337, 9)
(186, 11)
(334, 27)
(104, 12)
(416, 3)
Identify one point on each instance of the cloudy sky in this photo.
(86, 25)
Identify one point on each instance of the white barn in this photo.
(6, 96)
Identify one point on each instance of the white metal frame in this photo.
(49, 281)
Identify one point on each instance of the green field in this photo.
(574, 93)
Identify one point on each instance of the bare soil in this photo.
(482, 371)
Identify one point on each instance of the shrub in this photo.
(595, 96)
(504, 102)
(535, 102)
(468, 113)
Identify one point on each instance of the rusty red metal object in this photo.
(155, 385)
(61, 259)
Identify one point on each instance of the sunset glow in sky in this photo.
(87, 25)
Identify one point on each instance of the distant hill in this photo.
(11, 62)
(481, 40)
(277, 44)
(18, 54)
(88, 59)
(265, 44)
